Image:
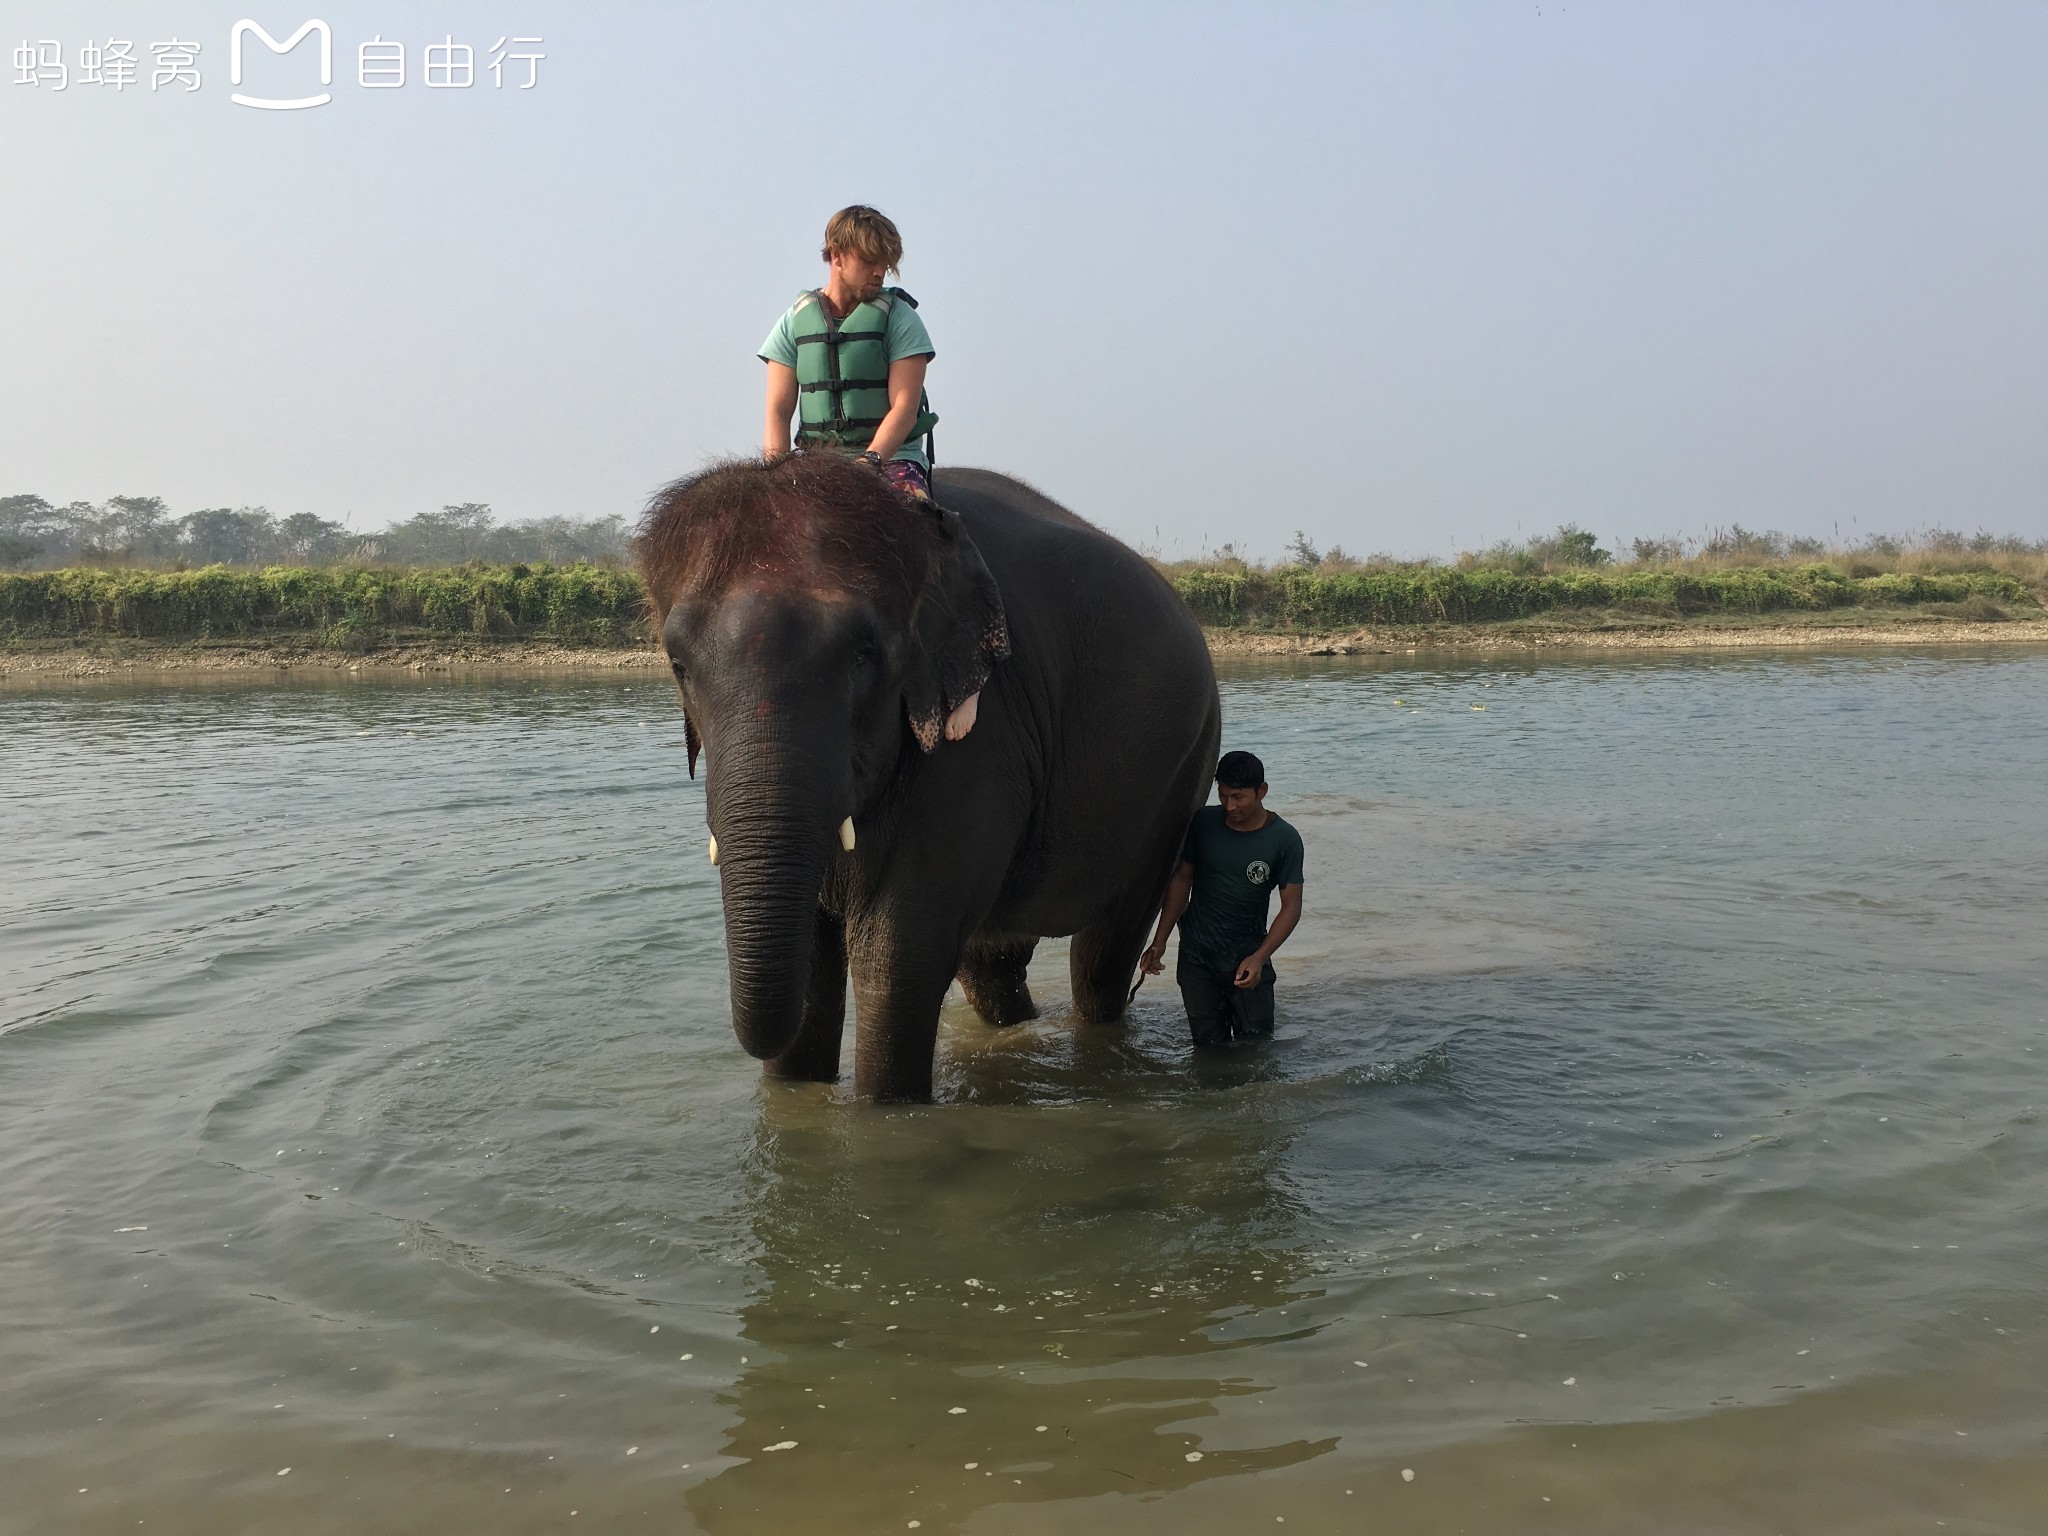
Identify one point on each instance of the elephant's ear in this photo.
(958, 634)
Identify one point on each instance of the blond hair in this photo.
(864, 232)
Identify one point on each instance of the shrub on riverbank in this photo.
(337, 605)
(596, 605)
(1294, 598)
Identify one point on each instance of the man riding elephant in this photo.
(848, 361)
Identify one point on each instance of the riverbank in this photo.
(114, 657)
(1837, 629)
(31, 661)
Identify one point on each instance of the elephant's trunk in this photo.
(771, 903)
(775, 836)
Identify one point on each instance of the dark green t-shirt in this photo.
(1236, 874)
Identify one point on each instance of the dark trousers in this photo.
(1219, 1011)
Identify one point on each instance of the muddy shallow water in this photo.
(1652, 1142)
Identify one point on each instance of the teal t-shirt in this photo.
(906, 337)
(1236, 874)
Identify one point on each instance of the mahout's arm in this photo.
(1153, 961)
(1248, 969)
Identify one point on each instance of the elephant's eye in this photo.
(865, 660)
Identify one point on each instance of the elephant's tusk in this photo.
(846, 834)
(714, 850)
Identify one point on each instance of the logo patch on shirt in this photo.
(1258, 872)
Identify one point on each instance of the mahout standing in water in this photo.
(1235, 855)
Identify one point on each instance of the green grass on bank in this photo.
(341, 606)
(357, 607)
(1299, 599)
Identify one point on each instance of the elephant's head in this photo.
(819, 626)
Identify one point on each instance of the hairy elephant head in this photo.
(819, 626)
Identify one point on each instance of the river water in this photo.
(1652, 1142)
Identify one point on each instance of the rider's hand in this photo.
(1153, 961)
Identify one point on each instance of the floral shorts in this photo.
(907, 478)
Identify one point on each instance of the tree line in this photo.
(141, 530)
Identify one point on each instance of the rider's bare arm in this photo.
(906, 391)
(781, 406)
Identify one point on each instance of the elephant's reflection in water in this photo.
(1023, 1300)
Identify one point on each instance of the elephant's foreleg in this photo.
(897, 996)
(993, 977)
(814, 1055)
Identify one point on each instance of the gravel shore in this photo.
(28, 662)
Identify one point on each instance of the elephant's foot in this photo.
(894, 1071)
(1103, 964)
(896, 1028)
(993, 977)
(1101, 1007)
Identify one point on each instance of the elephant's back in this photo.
(989, 489)
(1049, 561)
(1108, 697)
(1110, 686)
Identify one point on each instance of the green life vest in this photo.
(842, 372)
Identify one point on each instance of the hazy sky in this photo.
(1409, 277)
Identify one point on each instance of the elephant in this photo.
(824, 630)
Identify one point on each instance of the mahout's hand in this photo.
(1249, 970)
(1153, 961)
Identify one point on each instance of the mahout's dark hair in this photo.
(1240, 770)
